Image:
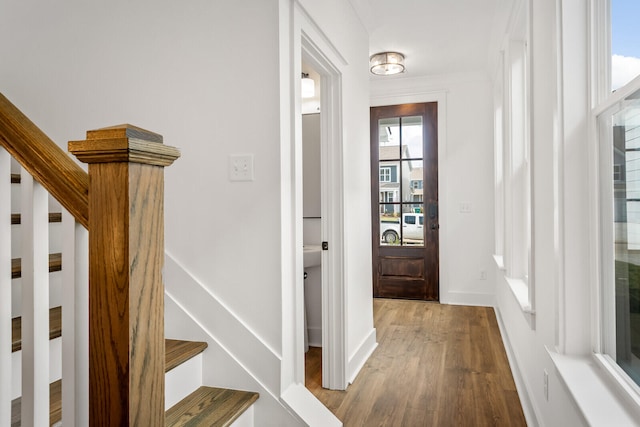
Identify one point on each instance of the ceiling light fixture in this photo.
(308, 86)
(387, 63)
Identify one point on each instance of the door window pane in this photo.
(413, 170)
(389, 138)
(390, 224)
(412, 137)
(401, 171)
(412, 225)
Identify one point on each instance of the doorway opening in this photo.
(312, 221)
(328, 160)
(404, 197)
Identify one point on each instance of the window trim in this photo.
(513, 106)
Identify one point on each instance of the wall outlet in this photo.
(483, 274)
(546, 385)
(241, 167)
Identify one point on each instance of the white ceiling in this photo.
(436, 36)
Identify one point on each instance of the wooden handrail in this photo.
(54, 169)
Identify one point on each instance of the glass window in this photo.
(619, 153)
(625, 49)
(621, 132)
(401, 148)
(385, 174)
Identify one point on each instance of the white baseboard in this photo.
(310, 410)
(468, 298)
(521, 386)
(315, 336)
(361, 355)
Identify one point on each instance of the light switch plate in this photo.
(241, 167)
(465, 207)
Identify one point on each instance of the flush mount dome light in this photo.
(387, 63)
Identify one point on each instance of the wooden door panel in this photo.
(395, 267)
(406, 288)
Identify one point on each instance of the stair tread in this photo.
(177, 351)
(210, 406)
(55, 328)
(53, 217)
(55, 264)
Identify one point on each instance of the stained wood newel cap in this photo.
(124, 143)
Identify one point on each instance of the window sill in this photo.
(596, 398)
(520, 290)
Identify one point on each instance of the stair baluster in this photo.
(75, 339)
(5, 288)
(35, 301)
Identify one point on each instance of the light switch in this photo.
(241, 167)
(465, 207)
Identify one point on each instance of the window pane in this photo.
(389, 224)
(389, 138)
(626, 190)
(625, 49)
(413, 171)
(412, 225)
(389, 176)
(412, 137)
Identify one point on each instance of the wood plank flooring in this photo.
(435, 365)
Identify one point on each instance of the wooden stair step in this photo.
(53, 217)
(15, 178)
(211, 407)
(55, 328)
(55, 264)
(176, 352)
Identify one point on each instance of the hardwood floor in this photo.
(435, 365)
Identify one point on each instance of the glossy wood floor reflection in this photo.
(435, 365)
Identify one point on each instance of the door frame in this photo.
(315, 48)
(381, 100)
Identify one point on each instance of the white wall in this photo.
(465, 176)
(190, 72)
(187, 72)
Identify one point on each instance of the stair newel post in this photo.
(126, 257)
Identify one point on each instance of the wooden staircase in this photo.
(205, 406)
